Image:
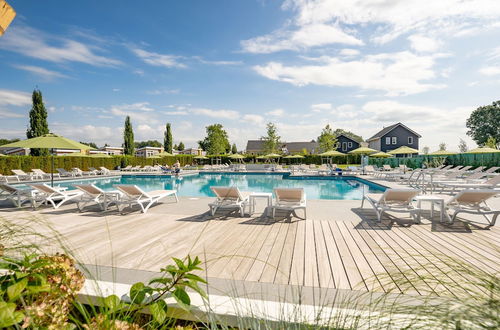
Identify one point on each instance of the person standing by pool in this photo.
(177, 167)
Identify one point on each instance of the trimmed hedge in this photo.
(475, 160)
(308, 159)
(26, 163)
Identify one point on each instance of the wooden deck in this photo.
(341, 246)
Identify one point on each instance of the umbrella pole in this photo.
(52, 169)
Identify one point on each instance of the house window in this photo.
(410, 140)
(344, 146)
(394, 140)
(349, 144)
(387, 140)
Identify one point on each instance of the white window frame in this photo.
(344, 146)
(394, 140)
(388, 140)
(349, 144)
(410, 140)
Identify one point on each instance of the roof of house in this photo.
(349, 138)
(387, 129)
(255, 144)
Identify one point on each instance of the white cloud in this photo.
(210, 62)
(490, 70)
(13, 97)
(140, 112)
(220, 114)
(34, 43)
(276, 113)
(176, 113)
(396, 73)
(422, 43)
(165, 60)
(349, 52)
(253, 119)
(91, 133)
(42, 72)
(304, 37)
(115, 89)
(139, 106)
(321, 107)
(9, 114)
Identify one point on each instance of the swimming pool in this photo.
(333, 188)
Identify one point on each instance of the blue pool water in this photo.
(350, 188)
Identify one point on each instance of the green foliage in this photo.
(349, 134)
(6, 141)
(90, 144)
(128, 138)
(26, 163)
(216, 142)
(484, 122)
(234, 149)
(181, 146)
(462, 146)
(168, 139)
(327, 139)
(38, 124)
(148, 143)
(442, 146)
(475, 160)
(491, 142)
(272, 139)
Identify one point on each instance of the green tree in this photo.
(148, 143)
(491, 142)
(484, 122)
(272, 139)
(425, 150)
(38, 125)
(90, 144)
(128, 138)
(442, 146)
(234, 149)
(216, 142)
(462, 146)
(168, 140)
(6, 141)
(175, 147)
(327, 139)
(349, 134)
(181, 146)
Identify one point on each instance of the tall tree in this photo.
(425, 150)
(128, 138)
(181, 146)
(442, 146)
(216, 142)
(462, 146)
(327, 139)
(168, 140)
(485, 122)
(148, 143)
(90, 144)
(38, 125)
(272, 139)
(234, 149)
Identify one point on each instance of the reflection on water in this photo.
(199, 185)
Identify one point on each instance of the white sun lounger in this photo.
(17, 196)
(290, 199)
(229, 197)
(94, 194)
(63, 172)
(394, 200)
(52, 195)
(23, 175)
(44, 175)
(473, 202)
(132, 194)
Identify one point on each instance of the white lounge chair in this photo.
(473, 202)
(23, 175)
(5, 178)
(394, 200)
(229, 197)
(492, 183)
(44, 175)
(104, 170)
(63, 172)
(93, 194)
(290, 199)
(53, 195)
(17, 196)
(132, 194)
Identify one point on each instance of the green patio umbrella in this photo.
(100, 155)
(380, 154)
(363, 151)
(237, 157)
(75, 154)
(332, 153)
(49, 141)
(165, 154)
(404, 150)
(200, 157)
(442, 153)
(272, 155)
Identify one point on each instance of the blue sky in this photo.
(357, 65)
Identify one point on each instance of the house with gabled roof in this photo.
(346, 144)
(393, 137)
(256, 147)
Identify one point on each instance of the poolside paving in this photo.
(339, 246)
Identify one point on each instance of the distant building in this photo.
(191, 151)
(346, 144)
(393, 137)
(15, 151)
(147, 151)
(256, 147)
(113, 150)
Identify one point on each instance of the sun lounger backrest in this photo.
(44, 188)
(369, 168)
(8, 188)
(492, 169)
(132, 190)
(399, 195)
(387, 167)
(289, 194)
(494, 180)
(19, 172)
(226, 192)
(474, 196)
(89, 189)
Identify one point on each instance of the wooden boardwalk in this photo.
(354, 254)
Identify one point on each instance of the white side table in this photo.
(110, 197)
(254, 196)
(433, 200)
